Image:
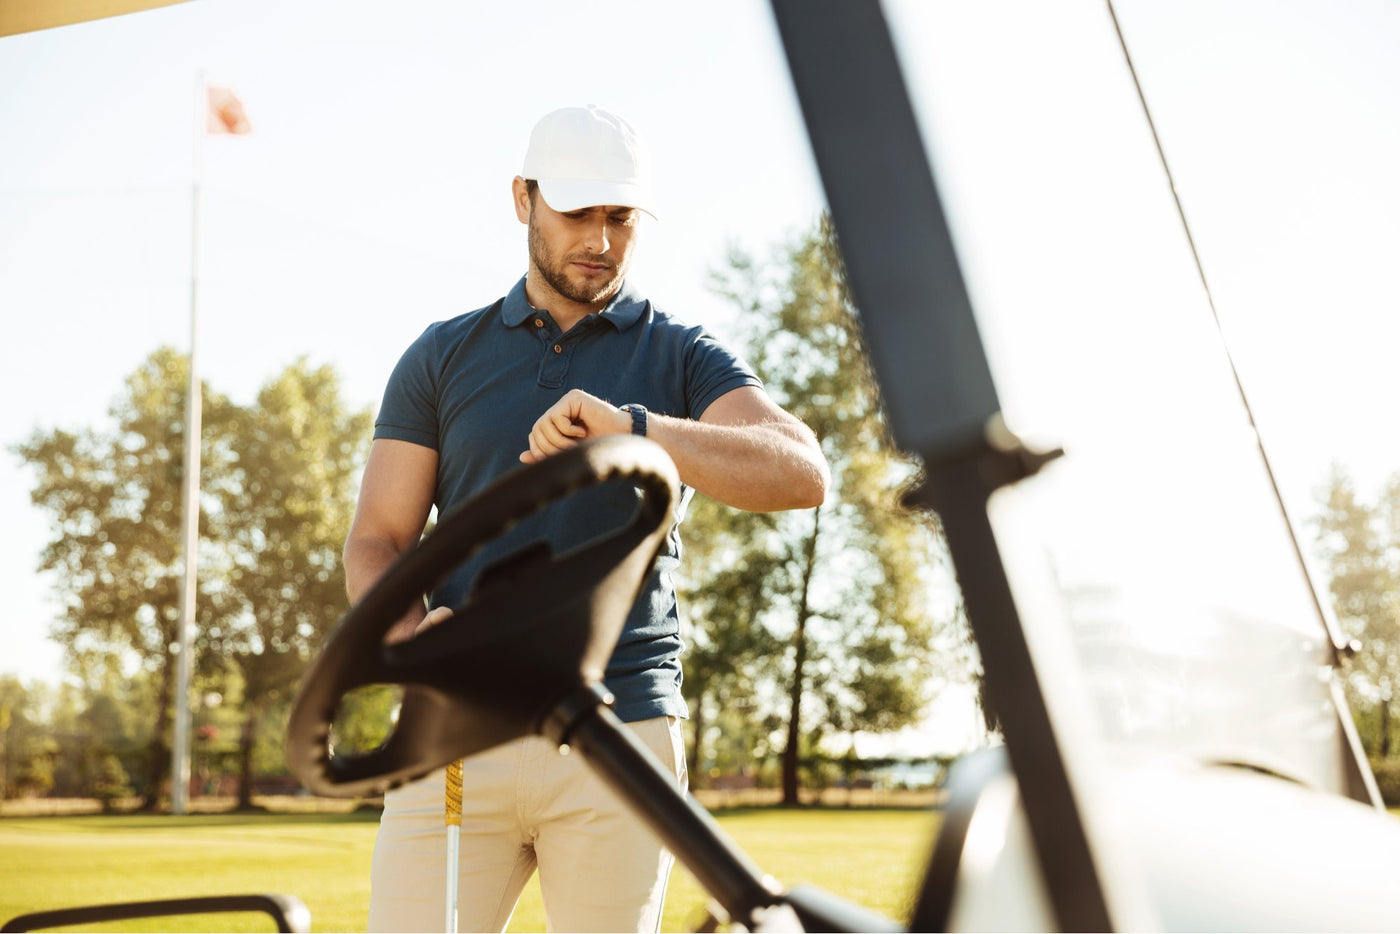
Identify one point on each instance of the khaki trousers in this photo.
(525, 807)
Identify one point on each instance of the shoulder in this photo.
(466, 321)
(440, 338)
(672, 327)
(669, 333)
(695, 344)
(632, 311)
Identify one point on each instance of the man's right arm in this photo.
(396, 497)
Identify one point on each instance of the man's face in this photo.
(582, 255)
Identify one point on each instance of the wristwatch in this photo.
(639, 418)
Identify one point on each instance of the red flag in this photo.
(226, 116)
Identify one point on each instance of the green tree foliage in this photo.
(1360, 545)
(820, 619)
(14, 704)
(366, 717)
(23, 739)
(110, 781)
(114, 496)
(286, 514)
(276, 484)
(103, 744)
(73, 728)
(732, 655)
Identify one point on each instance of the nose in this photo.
(596, 234)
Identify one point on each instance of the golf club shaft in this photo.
(452, 816)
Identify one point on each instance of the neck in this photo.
(565, 311)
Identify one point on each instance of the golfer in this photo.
(571, 352)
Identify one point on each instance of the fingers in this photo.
(557, 429)
(574, 418)
(551, 435)
(435, 616)
(406, 628)
(401, 631)
(410, 625)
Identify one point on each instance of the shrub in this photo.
(111, 781)
(1387, 772)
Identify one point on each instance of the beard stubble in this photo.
(554, 275)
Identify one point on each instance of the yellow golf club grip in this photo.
(453, 810)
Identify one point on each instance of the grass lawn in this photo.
(871, 856)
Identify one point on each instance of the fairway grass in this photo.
(874, 857)
(58, 861)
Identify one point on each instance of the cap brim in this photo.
(568, 194)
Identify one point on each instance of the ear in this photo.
(521, 195)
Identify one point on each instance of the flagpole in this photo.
(180, 753)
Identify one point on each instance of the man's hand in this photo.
(574, 418)
(435, 616)
(411, 625)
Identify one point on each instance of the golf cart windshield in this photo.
(1157, 542)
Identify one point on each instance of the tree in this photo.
(110, 781)
(366, 717)
(21, 734)
(274, 506)
(730, 650)
(843, 589)
(1360, 545)
(105, 738)
(115, 498)
(285, 518)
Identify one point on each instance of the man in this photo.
(570, 353)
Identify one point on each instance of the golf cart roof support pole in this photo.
(904, 274)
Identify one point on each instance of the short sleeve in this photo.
(712, 370)
(409, 411)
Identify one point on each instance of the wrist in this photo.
(636, 419)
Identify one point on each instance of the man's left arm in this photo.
(744, 450)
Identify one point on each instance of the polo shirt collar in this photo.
(622, 312)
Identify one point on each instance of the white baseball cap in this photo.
(585, 156)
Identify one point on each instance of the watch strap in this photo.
(639, 418)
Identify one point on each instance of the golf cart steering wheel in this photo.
(538, 629)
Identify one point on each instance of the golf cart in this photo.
(1167, 695)
(1177, 752)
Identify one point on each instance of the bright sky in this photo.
(372, 197)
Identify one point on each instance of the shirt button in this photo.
(539, 322)
(558, 349)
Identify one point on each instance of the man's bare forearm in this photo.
(762, 467)
(366, 561)
(743, 451)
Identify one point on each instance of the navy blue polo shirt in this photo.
(473, 386)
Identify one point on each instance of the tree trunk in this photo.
(4, 747)
(697, 723)
(158, 753)
(794, 729)
(246, 737)
(1385, 727)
